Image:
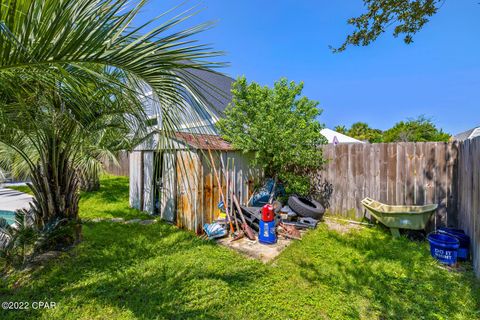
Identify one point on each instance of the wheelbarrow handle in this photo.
(368, 201)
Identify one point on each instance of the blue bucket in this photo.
(444, 247)
(464, 250)
(267, 234)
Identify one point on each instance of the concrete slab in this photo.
(133, 221)
(255, 249)
(11, 200)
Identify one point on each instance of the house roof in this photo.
(337, 137)
(469, 134)
(203, 141)
(213, 88)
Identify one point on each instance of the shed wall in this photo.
(168, 191)
(135, 172)
(189, 193)
(195, 173)
(148, 180)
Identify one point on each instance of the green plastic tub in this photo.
(400, 217)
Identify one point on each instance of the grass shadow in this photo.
(397, 276)
(155, 271)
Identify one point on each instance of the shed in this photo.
(174, 179)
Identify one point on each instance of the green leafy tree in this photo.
(405, 17)
(362, 131)
(341, 129)
(71, 70)
(279, 126)
(415, 130)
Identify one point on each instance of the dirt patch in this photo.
(342, 227)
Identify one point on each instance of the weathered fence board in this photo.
(447, 174)
(118, 169)
(468, 184)
(396, 173)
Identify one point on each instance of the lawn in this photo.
(158, 271)
(111, 201)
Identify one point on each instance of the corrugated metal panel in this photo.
(168, 188)
(209, 185)
(189, 194)
(241, 177)
(157, 142)
(187, 189)
(204, 141)
(245, 176)
(148, 197)
(135, 179)
(183, 141)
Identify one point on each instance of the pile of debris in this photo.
(264, 219)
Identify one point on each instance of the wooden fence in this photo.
(468, 183)
(395, 173)
(120, 169)
(447, 174)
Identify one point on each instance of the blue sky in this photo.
(438, 75)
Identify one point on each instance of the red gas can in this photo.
(267, 213)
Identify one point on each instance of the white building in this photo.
(337, 137)
(466, 135)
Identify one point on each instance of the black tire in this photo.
(306, 208)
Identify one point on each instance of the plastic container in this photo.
(464, 250)
(267, 234)
(268, 214)
(444, 247)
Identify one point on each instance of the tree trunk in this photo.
(55, 185)
(89, 181)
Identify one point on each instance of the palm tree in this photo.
(74, 70)
(102, 143)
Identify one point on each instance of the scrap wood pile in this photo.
(264, 218)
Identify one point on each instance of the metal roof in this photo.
(214, 88)
(469, 134)
(204, 141)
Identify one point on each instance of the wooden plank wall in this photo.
(396, 173)
(120, 169)
(468, 183)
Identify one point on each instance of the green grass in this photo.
(157, 271)
(111, 201)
